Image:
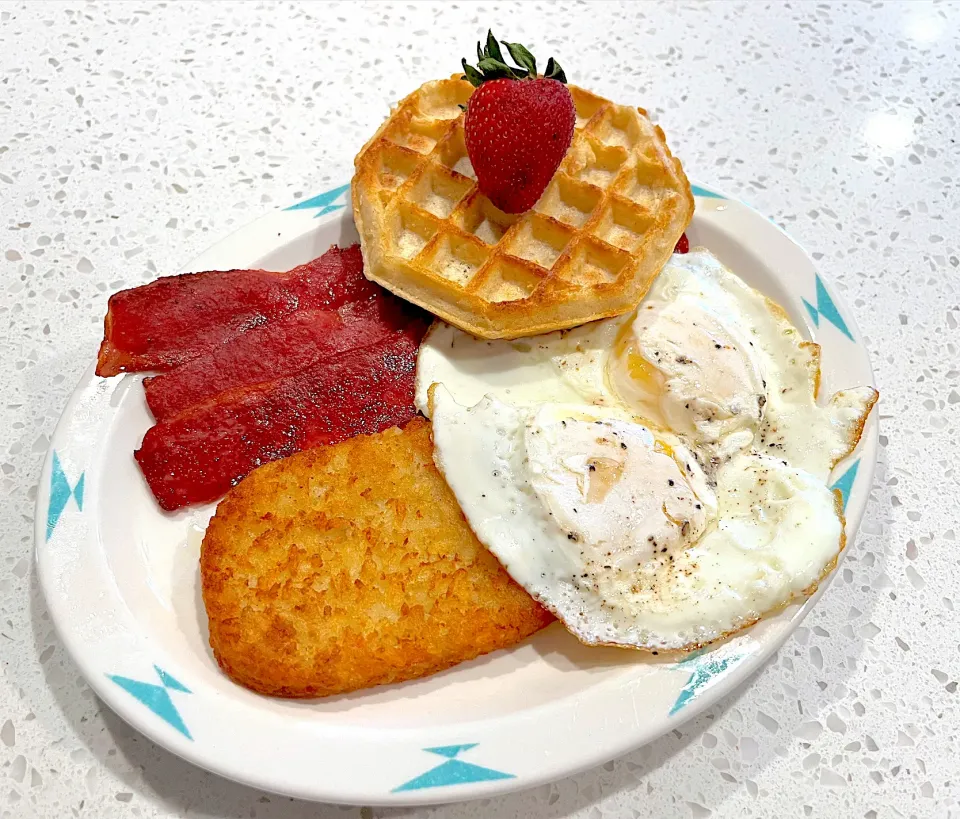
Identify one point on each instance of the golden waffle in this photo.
(589, 248)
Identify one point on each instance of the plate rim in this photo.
(591, 756)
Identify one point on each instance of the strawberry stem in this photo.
(492, 66)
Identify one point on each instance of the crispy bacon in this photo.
(199, 454)
(176, 319)
(274, 350)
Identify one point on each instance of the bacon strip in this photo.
(274, 350)
(178, 318)
(199, 454)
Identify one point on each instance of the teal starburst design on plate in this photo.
(707, 669)
(326, 202)
(698, 191)
(845, 482)
(157, 697)
(453, 771)
(827, 309)
(60, 494)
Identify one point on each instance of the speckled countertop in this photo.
(134, 135)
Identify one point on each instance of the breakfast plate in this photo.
(121, 580)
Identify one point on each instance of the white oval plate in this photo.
(121, 581)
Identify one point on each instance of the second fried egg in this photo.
(692, 424)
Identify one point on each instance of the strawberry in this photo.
(683, 244)
(518, 125)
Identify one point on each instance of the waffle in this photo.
(589, 248)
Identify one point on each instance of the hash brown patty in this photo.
(349, 566)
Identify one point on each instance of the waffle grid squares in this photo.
(436, 189)
(618, 196)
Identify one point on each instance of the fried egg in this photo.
(658, 480)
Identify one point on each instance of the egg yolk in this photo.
(638, 382)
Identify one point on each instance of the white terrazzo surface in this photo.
(133, 135)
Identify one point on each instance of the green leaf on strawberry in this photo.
(522, 57)
(554, 71)
(495, 69)
(493, 47)
(491, 64)
(471, 73)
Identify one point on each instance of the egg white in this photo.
(566, 366)
(707, 368)
(731, 372)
